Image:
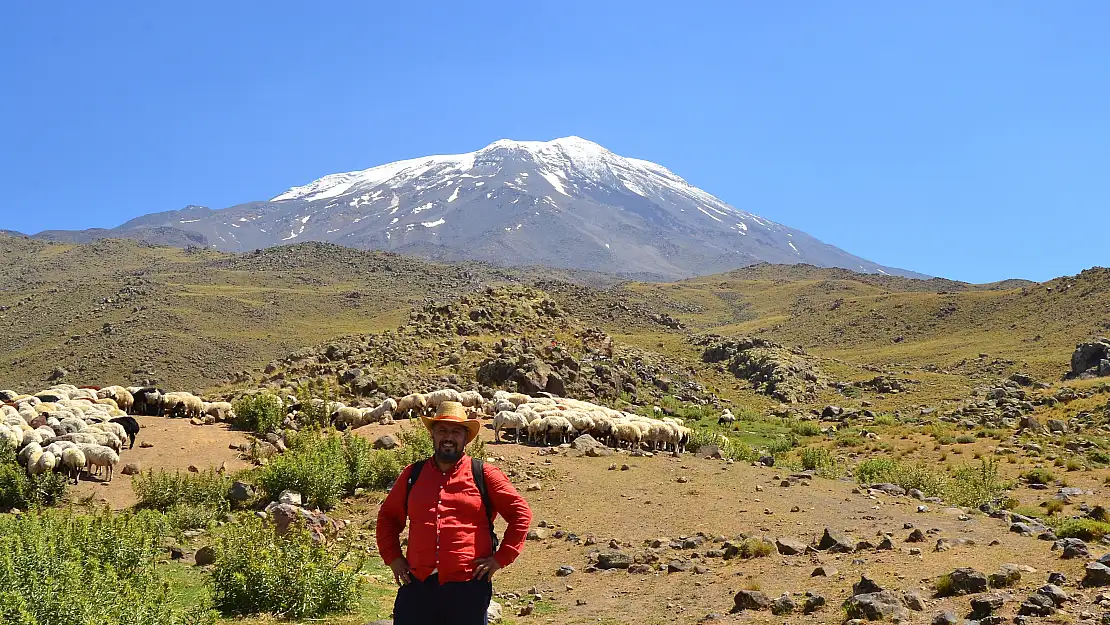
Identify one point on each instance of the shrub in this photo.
(260, 412)
(19, 490)
(312, 414)
(1098, 457)
(1085, 529)
(292, 576)
(967, 486)
(875, 470)
(164, 490)
(1074, 464)
(755, 548)
(885, 419)
(944, 585)
(1039, 476)
(56, 567)
(1010, 503)
(805, 428)
(1053, 506)
(975, 485)
(964, 439)
(816, 458)
(781, 446)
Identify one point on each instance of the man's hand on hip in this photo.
(485, 568)
(402, 574)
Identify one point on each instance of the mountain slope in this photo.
(566, 203)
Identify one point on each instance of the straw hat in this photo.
(454, 412)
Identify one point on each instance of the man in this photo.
(446, 578)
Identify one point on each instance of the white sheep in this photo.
(73, 461)
(507, 419)
(98, 456)
(470, 399)
(414, 403)
(435, 398)
(27, 452)
(43, 463)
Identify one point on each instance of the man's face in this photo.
(449, 440)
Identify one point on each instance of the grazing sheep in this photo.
(73, 461)
(98, 456)
(470, 399)
(27, 452)
(558, 428)
(147, 401)
(347, 417)
(130, 428)
(411, 405)
(220, 410)
(43, 463)
(726, 418)
(435, 398)
(507, 419)
(173, 405)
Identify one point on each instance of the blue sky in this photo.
(963, 139)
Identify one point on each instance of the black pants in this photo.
(454, 603)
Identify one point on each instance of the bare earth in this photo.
(585, 497)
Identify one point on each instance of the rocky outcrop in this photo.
(1090, 360)
(772, 369)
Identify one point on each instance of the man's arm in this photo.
(510, 505)
(391, 520)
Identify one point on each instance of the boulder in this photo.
(790, 547)
(985, 605)
(493, 612)
(1097, 574)
(1037, 604)
(585, 443)
(866, 585)
(291, 497)
(1072, 548)
(783, 605)
(750, 600)
(205, 555)
(836, 542)
(967, 581)
(1007, 575)
(240, 491)
(876, 606)
(613, 559)
(913, 600)
(385, 441)
(813, 603)
(890, 489)
(131, 468)
(1089, 356)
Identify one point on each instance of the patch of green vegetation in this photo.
(944, 585)
(1085, 529)
(970, 485)
(19, 490)
(58, 567)
(885, 419)
(1039, 476)
(965, 439)
(292, 575)
(805, 428)
(755, 548)
(259, 412)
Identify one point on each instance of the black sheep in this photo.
(131, 426)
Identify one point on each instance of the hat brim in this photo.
(473, 426)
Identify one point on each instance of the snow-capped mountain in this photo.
(563, 203)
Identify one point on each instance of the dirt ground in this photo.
(583, 496)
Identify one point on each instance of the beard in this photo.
(449, 455)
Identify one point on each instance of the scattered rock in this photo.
(985, 605)
(865, 585)
(916, 536)
(835, 542)
(790, 547)
(205, 555)
(1097, 575)
(824, 571)
(813, 603)
(966, 581)
(564, 571)
(914, 600)
(146, 444)
(750, 600)
(1006, 576)
(876, 606)
(291, 497)
(385, 441)
(493, 612)
(240, 491)
(783, 605)
(613, 559)
(946, 618)
(131, 468)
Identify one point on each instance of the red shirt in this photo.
(448, 529)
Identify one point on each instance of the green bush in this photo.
(163, 490)
(975, 485)
(1074, 464)
(781, 446)
(875, 470)
(19, 490)
(291, 576)
(56, 567)
(1098, 457)
(964, 439)
(966, 486)
(885, 419)
(1085, 529)
(805, 428)
(260, 412)
(755, 548)
(1039, 476)
(815, 458)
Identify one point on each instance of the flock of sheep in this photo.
(539, 420)
(68, 429)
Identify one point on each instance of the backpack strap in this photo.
(478, 468)
(414, 474)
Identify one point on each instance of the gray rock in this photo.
(385, 441)
(240, 491)
(131, 468)
(890, 489)
(1022, 528)
(966, 581)
(783, 605)
(876, 606)
(679, 566)
(1072, 548)
(985, 605)
(205, 555)
(493, 612)
(790, 547)
(946, 618)
(813, 603)
(750, 600)
(1057, 426)
(1097, 574)
(913, 600)
(1006, 576)
(291, 497)
(824, 571)
(865, 585)
(1054, 592)
(585, 443)
(916, 536)
(613, 560)
(835, 542)
(564, 571)
(1037, 605)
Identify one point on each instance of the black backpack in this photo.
(478, 469)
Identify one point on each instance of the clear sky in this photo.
(964, 139)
